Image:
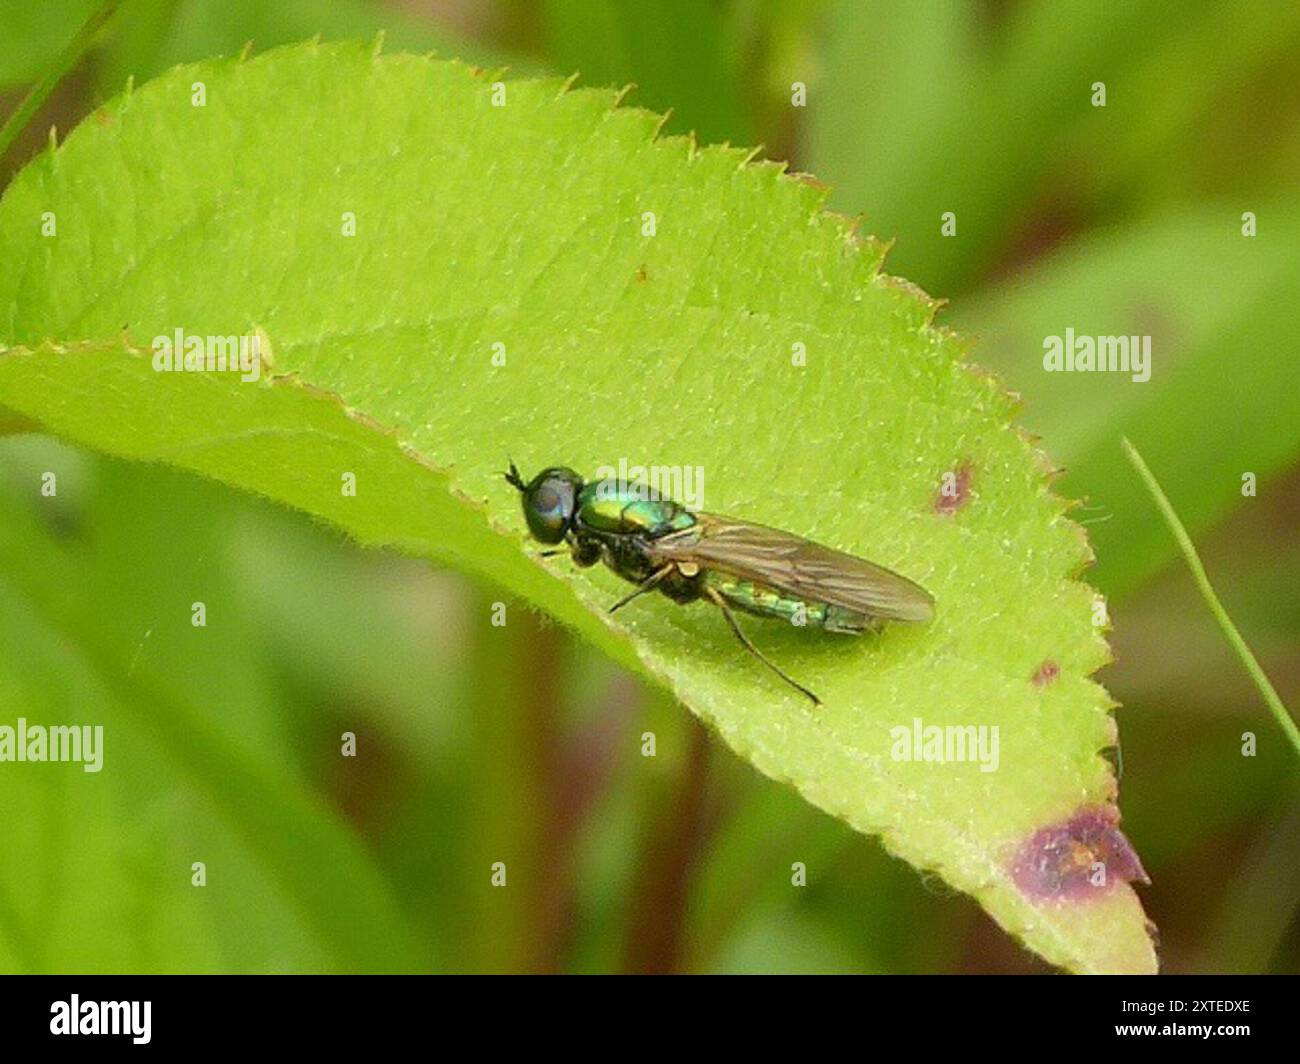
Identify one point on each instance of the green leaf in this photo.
(904, 146)
(1157, 153)
(672, 50)
(58, 66)
(197, 765)
(1216, 358)
(156, 34)
(32, 34)
(524, 225)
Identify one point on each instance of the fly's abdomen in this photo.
(764, 601)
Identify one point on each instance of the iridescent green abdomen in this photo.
(764, 601)
(623, 509)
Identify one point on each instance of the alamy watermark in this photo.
(75, 1016)
(944, 744)
(1098, 354)
(192, 353)
(59, 742)
(682, 484)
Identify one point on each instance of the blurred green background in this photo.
(476, 742)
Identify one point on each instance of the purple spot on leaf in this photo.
(954, 489)
(1045, 673)
(1078, 859)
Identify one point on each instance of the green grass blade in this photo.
(63, 62)
(1266, 689)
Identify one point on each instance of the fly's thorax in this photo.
(626, 555)
(618, 508)
(630, 557)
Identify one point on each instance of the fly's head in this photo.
(550, 501)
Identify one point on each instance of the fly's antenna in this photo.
(513, 477)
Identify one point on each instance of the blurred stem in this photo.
(63, 62)
(548, 667)
(513, 686)
(657, 901)
(1266, 689)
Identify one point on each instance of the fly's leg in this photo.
(583, 552)
(648, 584)
(721, 603)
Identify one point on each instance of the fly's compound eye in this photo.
(547, 500)
(549, 504)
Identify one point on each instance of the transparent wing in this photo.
(796, 566)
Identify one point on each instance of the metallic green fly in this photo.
(657, 544)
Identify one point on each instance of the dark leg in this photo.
(648, 584)
(583, 552)
(586, 552)
(721, 603)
